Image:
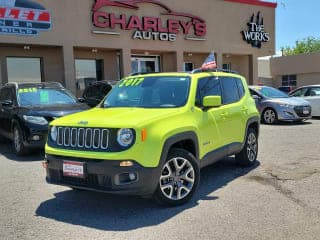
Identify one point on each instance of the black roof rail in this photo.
(199, 70)
(141, 73)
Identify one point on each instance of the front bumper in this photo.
(294, 114)
(104, 176)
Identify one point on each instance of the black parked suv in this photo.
(27, 108)
(95, 93)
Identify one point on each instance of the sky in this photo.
(296, 20)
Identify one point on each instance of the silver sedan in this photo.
(275, 105)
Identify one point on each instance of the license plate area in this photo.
(306, 111)
(73, 169)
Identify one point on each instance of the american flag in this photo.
(210, 62)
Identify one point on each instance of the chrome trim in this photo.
(94, 136)
(76, 137)
(83, 138)
(60, 132)
(86, 138)
(105, 131)
(67, 129)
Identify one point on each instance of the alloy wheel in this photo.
(269, 116)
(177, 178)
(252, 147)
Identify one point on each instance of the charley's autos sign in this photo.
(23, 17)
(108, 22)
(256, 34)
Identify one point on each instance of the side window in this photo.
(230, 90)
(209, 86)
(300, 93)
(314, 91)
(240, 88)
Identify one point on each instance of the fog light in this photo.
(126, 164)
(36, 138)
(132, 176)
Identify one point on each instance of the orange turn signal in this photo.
(45, 165)
(143, 135)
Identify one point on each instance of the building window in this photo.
(289, 80)
(24, 70)
(188, 66)
(226, 66)
(88, 71)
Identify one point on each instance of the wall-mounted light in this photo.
(146, 53)
(26, 47)
(94, 50)
(189, 54)
(227, 55)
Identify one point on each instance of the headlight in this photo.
(54, 133)
(125, 137)
(35, 120)
(286, 105)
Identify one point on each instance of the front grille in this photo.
(300, 109)
(83, 138)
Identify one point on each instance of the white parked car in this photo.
(310, 93)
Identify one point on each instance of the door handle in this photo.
(224, 115)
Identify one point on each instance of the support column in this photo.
(3, 70)
(253, 70)
(125, 62)
(219, 60)
(69, 68)
(180, 61)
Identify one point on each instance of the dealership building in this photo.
(76, 42)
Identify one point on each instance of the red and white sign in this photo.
(23, 17)
(73, 169)
(146, 27)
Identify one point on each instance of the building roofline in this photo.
(256, 2)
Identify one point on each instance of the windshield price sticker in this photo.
(28, 90)
(131, 82)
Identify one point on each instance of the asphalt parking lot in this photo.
(279, 198)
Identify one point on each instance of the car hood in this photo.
(56, 111)
(116, 117)
(296, 101)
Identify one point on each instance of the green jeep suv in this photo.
(153, 133)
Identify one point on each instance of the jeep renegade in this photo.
(153, 133)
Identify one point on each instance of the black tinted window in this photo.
(230, 90)
(209, 86)
(6, 94)
(240, 88)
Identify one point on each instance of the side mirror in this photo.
(7, 103)
(82, 100)
(211, 101)
(256, 97)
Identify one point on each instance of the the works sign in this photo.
(146, 27)
(256, 35)
(23, 17)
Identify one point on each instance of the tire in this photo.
(179, 178)
(248, 155)
(269, 116)
(18, 144)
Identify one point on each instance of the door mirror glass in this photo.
(212, 101)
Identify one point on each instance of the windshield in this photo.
(44, 96)
(270, 92)
(149, 92)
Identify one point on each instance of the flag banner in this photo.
(210, 62)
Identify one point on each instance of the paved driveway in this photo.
(279, 198)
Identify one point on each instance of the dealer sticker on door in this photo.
(73, 169)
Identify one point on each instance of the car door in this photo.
(233, 111)
(208, 120)
(313, 97)
(7, 103)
